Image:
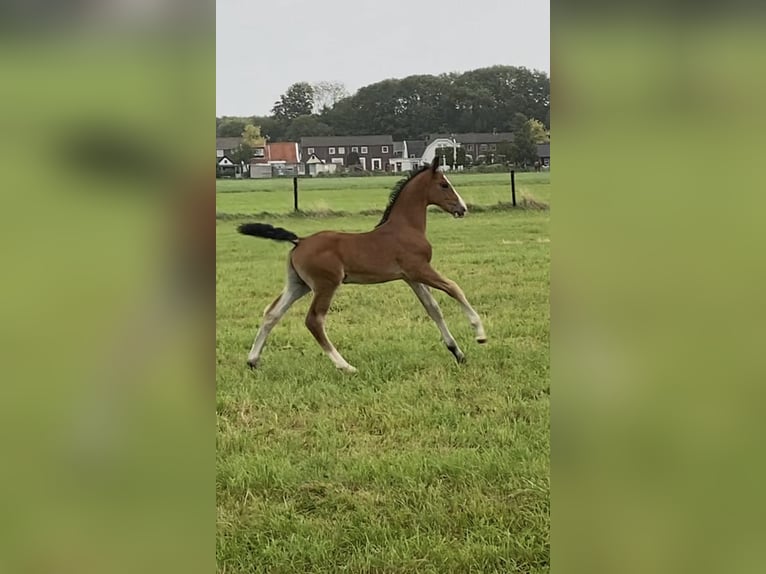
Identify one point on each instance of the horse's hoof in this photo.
(457, 353)
(253, 364)
(481, 340)
(348, 369)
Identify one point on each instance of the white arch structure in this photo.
(430, 152)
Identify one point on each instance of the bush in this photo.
(494, 168)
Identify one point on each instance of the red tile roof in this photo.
(280, 151)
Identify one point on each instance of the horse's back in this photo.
(347, 257)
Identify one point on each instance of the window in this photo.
(338, 160)
(412, 156)
(219, 153)
(469, 147)
(355, 148)
(384, 149)
(310, 150)
(331, 151)
(341, 150)
(483, 147)
(493, 147)
(364, 149)
(258, 152)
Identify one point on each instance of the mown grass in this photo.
(414, 464)
(359, 194)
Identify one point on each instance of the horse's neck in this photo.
(409, 210)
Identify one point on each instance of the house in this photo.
(415, 148)
(403, 159)
(544, 153)
(315, 166)
(277, 153)
(225, 166)
(477, 144)
(226, 146)
(429, 152)
(275, 159)
(374, 151)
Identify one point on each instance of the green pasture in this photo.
(358, 194)
(415, 463)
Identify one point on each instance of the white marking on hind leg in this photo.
(339, 361)
(293, 291)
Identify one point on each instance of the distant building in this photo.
(226, 146)
(544, 153)
(374, 151)
(276, 159)
(315, 166)
(477, 144)
(277, 153)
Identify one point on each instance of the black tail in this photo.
(268, 232)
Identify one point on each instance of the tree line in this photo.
(498, 98)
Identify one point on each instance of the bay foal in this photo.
(396, 249)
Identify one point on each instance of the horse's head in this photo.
(441, 193)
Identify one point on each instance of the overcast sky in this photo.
(264, 46)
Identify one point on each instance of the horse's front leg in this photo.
(433, 310)
(429, 276)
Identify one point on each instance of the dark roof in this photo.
(476, 138)
(416, 147)
(544, 150)
(227, 143)
(398, 146)
(346, 141)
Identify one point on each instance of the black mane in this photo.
(397, 189)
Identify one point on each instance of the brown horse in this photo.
(396, 249)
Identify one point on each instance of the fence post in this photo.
(295, 193)
(513, 187)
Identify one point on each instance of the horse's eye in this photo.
(445, 185)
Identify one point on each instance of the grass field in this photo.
(355, 194)
(415, 463)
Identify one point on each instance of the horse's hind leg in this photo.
(294, 290)
(315, 319)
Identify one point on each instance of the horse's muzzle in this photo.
(459, 212)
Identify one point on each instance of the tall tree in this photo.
(504, 149)
(523, 148)
(297, 101)
(327, 94)
(251, 136)
(539, 133)
(230, 126)
(305, 126)
(271, 127)
(479, 100)
(352, 159)
(518, 121)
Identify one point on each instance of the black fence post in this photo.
(513, 187)
(295, 193)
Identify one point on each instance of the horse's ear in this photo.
(435, 164)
